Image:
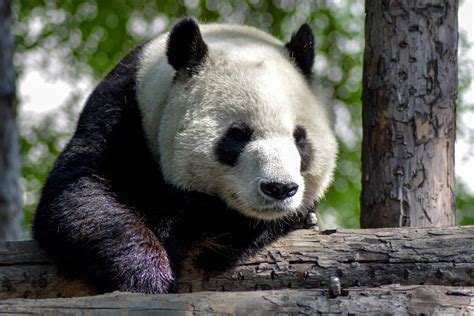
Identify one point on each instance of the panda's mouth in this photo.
(273, 212)
(262, 208)
(278, 209)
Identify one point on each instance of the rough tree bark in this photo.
(10, 193)
(409, 104)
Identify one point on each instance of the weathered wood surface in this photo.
(305, 259)
(25, 271)
(404, 300)
(372, 257)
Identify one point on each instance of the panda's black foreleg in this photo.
(242, 238)
(86, 229)
(218, 259)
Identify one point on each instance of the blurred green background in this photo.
(77, 42)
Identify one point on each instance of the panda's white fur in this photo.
(247, 76)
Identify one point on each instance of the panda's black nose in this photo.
(278, 190)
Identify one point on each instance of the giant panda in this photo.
(210, 140)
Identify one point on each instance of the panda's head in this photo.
(242, 119)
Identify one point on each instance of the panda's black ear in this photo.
(301, 49)
(186, 49)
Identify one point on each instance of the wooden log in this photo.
(368, 257)
(304, 259)
(399, 300)
(26, 271)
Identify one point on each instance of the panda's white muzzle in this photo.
(268, 178)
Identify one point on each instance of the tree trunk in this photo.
(10, 193)
(409, 104)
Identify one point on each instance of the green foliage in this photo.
(40, 143)
(464, 205)
(89, 37)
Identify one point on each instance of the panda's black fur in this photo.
(106, 213)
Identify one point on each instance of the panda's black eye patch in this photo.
(239, 131)
(304, 147)
(299, 135)
(233, 142)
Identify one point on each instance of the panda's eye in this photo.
(299, 135)
(304, 147)
(239, 131)
(232, 143)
